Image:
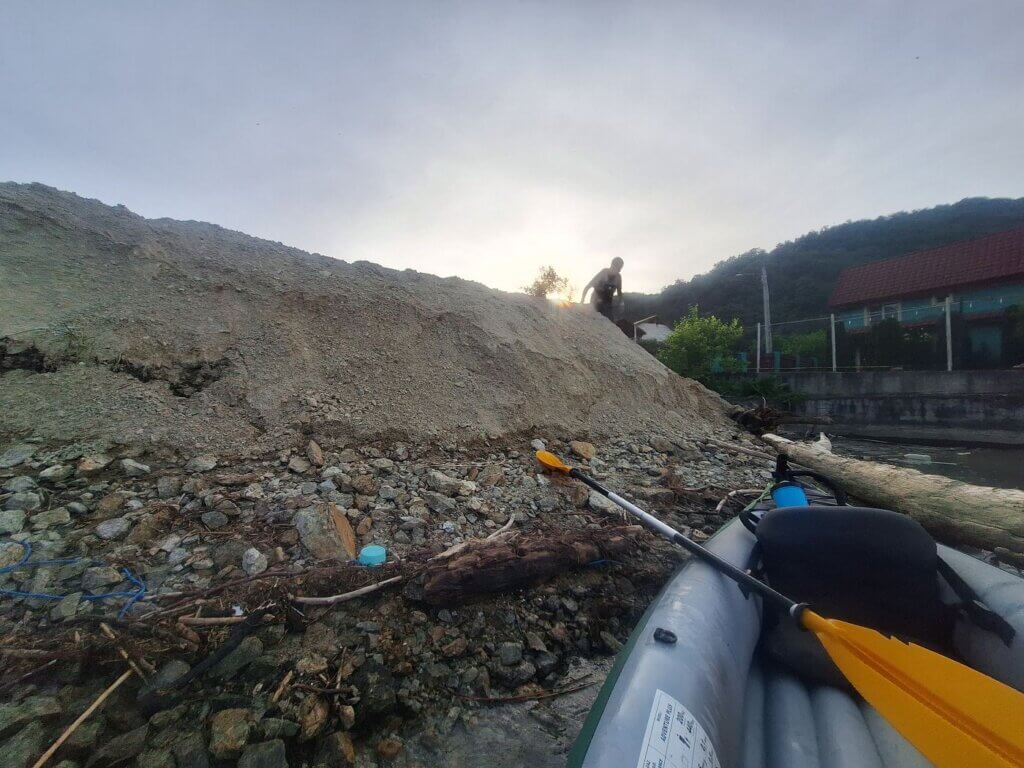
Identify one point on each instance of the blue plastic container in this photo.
(372, 554)
(789, 494)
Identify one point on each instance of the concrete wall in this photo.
(953, 406)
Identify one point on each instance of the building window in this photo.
(891, 310)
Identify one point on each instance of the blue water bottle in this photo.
(789, 494)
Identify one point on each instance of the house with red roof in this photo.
(982, 281)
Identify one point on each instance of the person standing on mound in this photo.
(606, 284)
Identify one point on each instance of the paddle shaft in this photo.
(741, 577)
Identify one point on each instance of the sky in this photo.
(488, 139)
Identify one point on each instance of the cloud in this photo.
(485, 140)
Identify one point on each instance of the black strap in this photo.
(983, 616)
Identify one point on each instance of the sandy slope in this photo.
(118, 327)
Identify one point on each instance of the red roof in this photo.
(968, 263)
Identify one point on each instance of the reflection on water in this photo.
(1000, 467)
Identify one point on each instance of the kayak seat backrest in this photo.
(868, 566)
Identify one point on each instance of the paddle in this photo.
(954, 715)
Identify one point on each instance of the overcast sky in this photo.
(485, 139)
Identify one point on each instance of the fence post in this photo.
(758, 370)
(949, 333)
(832, 333)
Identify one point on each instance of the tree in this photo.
(699, 346)
(547, 282)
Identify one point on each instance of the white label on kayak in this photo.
(674, 738)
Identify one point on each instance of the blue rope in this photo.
(133, 595)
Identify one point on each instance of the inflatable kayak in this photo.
(710, 678)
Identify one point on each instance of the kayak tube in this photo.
(695, 686)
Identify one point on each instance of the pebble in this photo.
(57, 472)
(115, 528)
(57, 516)
(67, 607)
(12, 521)
(511, 653)
(90, 465)
(168, 487)
(201, 464)
(133, 468)
(266, 754)
(19, 483)
(214, 519)
(253, 561)
(229, 732)
(25, 500)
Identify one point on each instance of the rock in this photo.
(583, 449)
(25, 500)
(610, 642)
(190, 752)
(115, 528)
(449, 486)
(514, 676)
(20, 483)
(266, 754)
(376, 687)
(319, 534)
(78, 508)
(97, 579)
(365, 485)
(313, 714)
(390, 747)
(250, 649)
(455, 648)
(155, 758)
(491, 475)
(201, 464)
(383, 464)
(16, 454)
(214, 519)
(66, 608)
(168, 487)
(133, 468)
(52, 517)
(229, 732)
(14, 716)
(538, 445)
(109, 506)
(599, 503)
(90, 465)
(278, 728)
(315, 454)
(299, 465)
(120, 749)
(57, 472)
(12, 521)
(23, 748)
(253, 561)
(336, 751)
(535, 643)
(661, 444)
(347, 716)
(169, 673)
(85, 736)
(510, 653)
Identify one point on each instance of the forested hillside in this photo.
(802, 272)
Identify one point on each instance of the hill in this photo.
(802, 272)
(114, 327)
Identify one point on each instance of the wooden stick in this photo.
(345, 597)
(135, 665)
(81, 719)
(505, 527)
(739, 449)
(282, 686)
(27, 675)
(730, 494)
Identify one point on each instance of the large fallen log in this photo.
(500, 566)
(952, 511)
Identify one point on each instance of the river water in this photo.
(999, 467)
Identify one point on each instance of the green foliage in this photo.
(547, 282)
(803, 272)
(699, 347)
(803, 344)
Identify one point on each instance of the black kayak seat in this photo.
(872, 567)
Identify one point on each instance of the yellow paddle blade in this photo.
(551, 461)
(954, 715)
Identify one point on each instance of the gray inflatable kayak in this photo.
(699, 684)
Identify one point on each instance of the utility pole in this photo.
(949, 333)
(767, 311)
(832, 333)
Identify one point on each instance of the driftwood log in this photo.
(952, 511)
(500, 566)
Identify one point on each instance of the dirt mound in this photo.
(119, 328)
